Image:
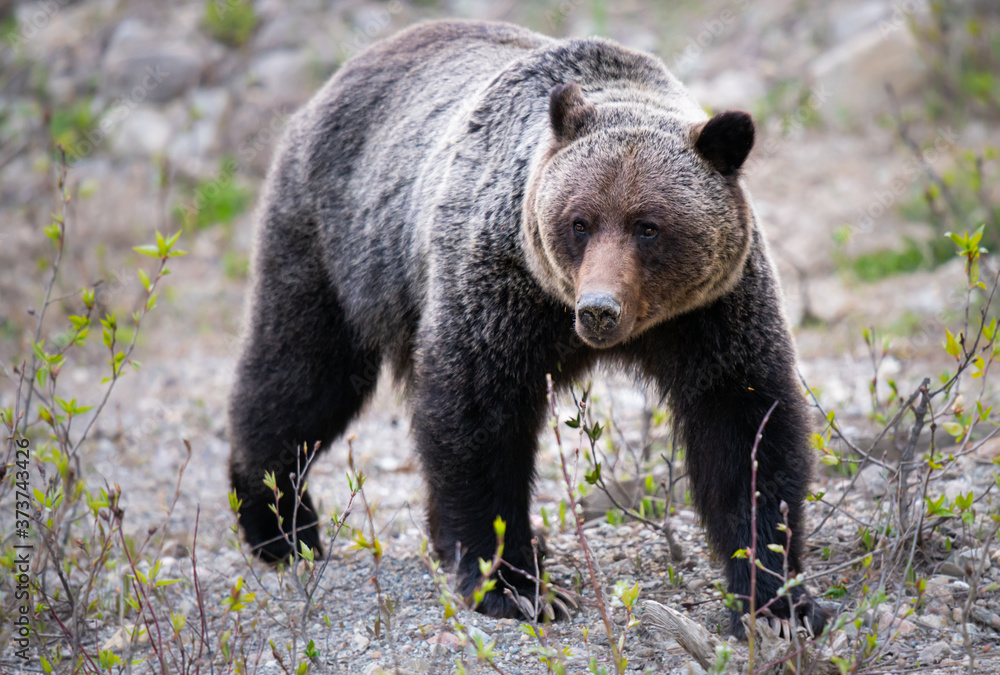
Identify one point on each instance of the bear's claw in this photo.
(561, 607)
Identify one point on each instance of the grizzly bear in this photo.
(477, 206)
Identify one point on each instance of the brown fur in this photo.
(422, 213)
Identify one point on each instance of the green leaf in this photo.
(594, 476)
(954, 428)
(977, 235)
(951, 344)
(306, 552)
(595, 432)
(234, 502)
(964, 502)
(990, 329)
(148, 249)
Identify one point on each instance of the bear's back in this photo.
(421, 145)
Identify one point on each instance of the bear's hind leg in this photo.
(302, 376)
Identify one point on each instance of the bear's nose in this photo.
(598, 312)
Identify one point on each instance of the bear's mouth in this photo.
(605, 338)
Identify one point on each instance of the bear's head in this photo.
(635, 216)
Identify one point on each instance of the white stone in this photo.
(284, 75)
(728, 90)
(359, 643)
(933, 621)
(852, 76)
(934, 653)
(140, 64)
(142, 133)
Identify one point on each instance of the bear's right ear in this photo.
(569, 113)
(726, 140)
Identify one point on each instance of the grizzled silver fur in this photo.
(477, 205)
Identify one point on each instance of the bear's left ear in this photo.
(569, 112)
(726, 140)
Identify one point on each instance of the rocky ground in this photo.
(160, 114)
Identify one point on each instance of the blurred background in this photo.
(878, 133)
(169, 113)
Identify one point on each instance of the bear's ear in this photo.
(726, 140)
(569, 113)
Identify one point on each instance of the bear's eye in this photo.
(580, 226)
(647, 230)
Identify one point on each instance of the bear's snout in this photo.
(598, 313)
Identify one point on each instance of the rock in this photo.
(140, 65)
(284, 32)
(953, 488)
(896, 623)
(729, 89)
(359, 643)
(984, 617)
(873, 479)
(192, 149)
(627, 493)
(932, 621)
(283, 76)
(972, 557)
(479, 634)
(853, 75)
(934, 653)
(693, 668)
(210, 104)
(417, 666)
(848, 19)
(937, 588)
(441, 640)
(124, 635)
(142, 133)
(952, 570)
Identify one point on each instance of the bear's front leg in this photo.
(723, 366)
(480, 403)
(719, 428)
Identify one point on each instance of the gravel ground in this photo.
(807, 180)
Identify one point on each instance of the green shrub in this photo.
(230, 21)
